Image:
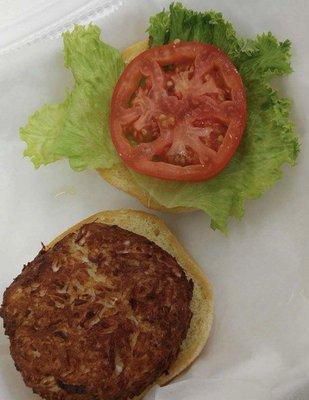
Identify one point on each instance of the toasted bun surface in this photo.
(154, 229)
(119, 176)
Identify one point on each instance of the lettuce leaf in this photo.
(270, 139)
(78, 128)
(256, 166)
(42, 132)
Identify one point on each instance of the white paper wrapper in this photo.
(259, 346)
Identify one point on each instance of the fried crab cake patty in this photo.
(100, 316)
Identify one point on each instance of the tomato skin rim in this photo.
(168, 171)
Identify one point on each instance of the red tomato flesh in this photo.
(178, 112)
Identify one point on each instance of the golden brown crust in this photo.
(154, 229)
(100, 314)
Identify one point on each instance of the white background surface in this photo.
(259, 347)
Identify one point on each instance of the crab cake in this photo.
(100, 315)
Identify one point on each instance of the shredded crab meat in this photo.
(115, 292)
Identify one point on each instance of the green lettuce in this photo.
(78, 128)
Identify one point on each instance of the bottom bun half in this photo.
(154, 229)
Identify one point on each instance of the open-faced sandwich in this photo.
(186, 119)
(111, 307)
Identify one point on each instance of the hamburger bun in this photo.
(154, 229)
(42, 324)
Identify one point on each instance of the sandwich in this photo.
(111, 307)
(185, 119)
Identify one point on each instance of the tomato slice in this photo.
(178, 112)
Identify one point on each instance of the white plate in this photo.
(259, 348)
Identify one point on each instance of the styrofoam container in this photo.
(259, 347)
